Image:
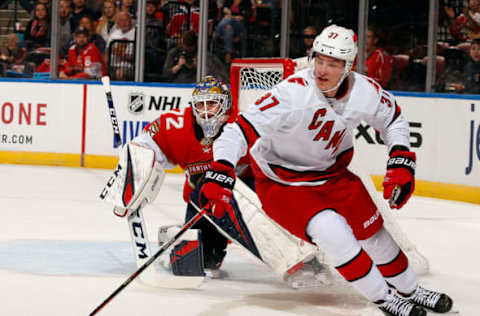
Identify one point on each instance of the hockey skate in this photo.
(395, 305)
(312, 274)
(435, 301)
(212, 262)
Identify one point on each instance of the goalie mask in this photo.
(337, 42)
(211, 103)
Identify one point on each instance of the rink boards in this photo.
(68, 124)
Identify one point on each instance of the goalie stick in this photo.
(117, 140)
(160, 251)
(136, 223)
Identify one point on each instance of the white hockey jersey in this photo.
(297, 136)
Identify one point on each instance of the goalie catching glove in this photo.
(216, 188)
(136, 180)
(399, 181)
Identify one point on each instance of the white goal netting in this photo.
(253, 78)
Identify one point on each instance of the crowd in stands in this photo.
(107, 28)
(96, 37)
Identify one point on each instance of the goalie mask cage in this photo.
(250, 78)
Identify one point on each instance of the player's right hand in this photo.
(216, 188)
(399, 181)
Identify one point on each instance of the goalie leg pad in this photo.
(186, 258)
(214, 243)
(231, 225)
(279, 249)
(136, 180)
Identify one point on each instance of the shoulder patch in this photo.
(153, 128)
(297, 80)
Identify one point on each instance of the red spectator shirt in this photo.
(86, 63)
(463, 26)
(380, 66)
(45, 65)
(179, 20)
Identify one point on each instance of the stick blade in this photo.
(161, 278)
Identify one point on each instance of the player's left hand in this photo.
(216, 188)
(399, 182)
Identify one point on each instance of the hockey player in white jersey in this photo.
(299, 136)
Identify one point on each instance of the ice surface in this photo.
(62, 252)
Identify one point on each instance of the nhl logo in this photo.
(136, 102)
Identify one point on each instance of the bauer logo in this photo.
(136, 102)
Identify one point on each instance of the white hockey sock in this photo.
(334, 236)
(391, 261)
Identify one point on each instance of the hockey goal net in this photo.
(251, 77)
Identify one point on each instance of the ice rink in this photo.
(62, 252)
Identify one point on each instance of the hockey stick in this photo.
(136, 223)
(117, 140)
(162, 249)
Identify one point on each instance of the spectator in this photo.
(123, 29)
(472, 69)
(84, 59)
(107, 21)
(150, 14)
(231, 28)
(37, 32)
(471, 73)
(13, 56)
(181, 63)
(303, 50)
(29, 5)
(159, 11)
(79, 10)
(129, 7)
(379, 62)
(179, 15)
(96, 6)
(467, 25)
(87, 22)
(121, 59)
(309, 34)
(65, 26)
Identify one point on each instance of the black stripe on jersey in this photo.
(396, 114)
(247, 129)
(290, 175)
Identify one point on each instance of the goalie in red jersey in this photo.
(184, 138)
